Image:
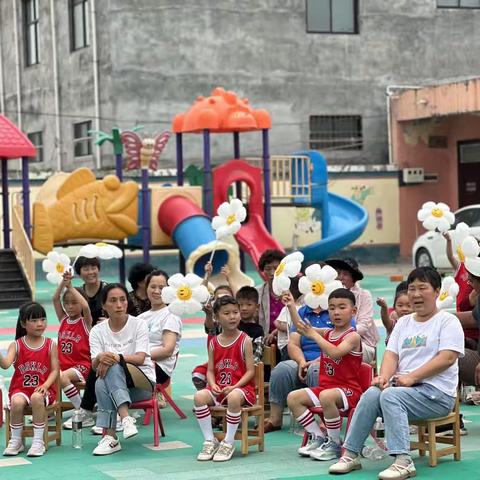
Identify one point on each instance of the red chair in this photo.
(365, 376)
(162, 388)
(149, 406)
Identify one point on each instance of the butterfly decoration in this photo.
(144, 153)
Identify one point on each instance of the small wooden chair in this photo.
(256, 434)
(427, 436)
(51, 432)
(270, 359)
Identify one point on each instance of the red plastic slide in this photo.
(253, 238)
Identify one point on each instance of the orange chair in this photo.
(365, 376)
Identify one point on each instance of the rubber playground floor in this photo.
(175, 457)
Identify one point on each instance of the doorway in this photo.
(468, 172)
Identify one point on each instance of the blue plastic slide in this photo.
(342, 219)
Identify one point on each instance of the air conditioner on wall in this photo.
(413, 175)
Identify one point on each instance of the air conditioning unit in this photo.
(413, 175)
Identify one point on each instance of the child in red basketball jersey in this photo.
(230, 380)
(73, 346)
(33, 383)
(339, 388)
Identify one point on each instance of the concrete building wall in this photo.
(157, 56)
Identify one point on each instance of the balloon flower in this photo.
(102, 250)
(55, 265)
(462, 231)
(317, 284)
(289, 267)
(184, 295)
(448, 293)
(471, 250)
(436, 216)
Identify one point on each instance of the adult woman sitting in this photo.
(418, 378)
(164, 328)
(300, 371)
(120, 354)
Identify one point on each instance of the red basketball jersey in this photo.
(73, 345)
(32, 368)
(461, 277)
(229, 361)
(343, 372)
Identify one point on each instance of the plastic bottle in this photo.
(379, 428)
(77, 435)
(373, 453)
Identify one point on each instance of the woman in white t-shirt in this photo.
(418, 378)
(164, 328)
(120, 354)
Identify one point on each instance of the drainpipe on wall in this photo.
(96, 92)
(391, 89)
(56, 95)
(17, 64)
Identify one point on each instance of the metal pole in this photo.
(6, 211)
(119, 166)
(121, 261)
(26, 196)
(266, 180)
(238, 187)
(145, 217)
(207, 174)
(179, 160)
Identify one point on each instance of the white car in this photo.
(430, 248)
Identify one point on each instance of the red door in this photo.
(468, 173)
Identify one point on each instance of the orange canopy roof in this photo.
(13, 142)
(221, 112)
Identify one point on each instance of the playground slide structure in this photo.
(342, 220)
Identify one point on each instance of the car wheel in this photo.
(423, 258)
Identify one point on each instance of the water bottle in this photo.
(379, 428)
(77, 436)
(373, 453)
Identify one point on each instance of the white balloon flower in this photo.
(436, 216)
(184, 295)
(462, 231)
(101, 250)
(229, 217)
(55, 265)
(471, 250)
(317, 284)
(448, 293)
(289, 267)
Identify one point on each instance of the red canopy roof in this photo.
(13, 142)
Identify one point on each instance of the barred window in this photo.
(37, 139)
(82, 142)
(332, 16)
(336, 132)
(79, 24)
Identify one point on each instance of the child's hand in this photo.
(67, 279)
(208, 269)
(447, 237)
(381, 302)
(207, 308)
(225, 271)
(216, 389)
(228, 389)
(305, 329)
(41, 389)
(287, 298)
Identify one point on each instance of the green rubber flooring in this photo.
(175, 458)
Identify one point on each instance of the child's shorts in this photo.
(247, 392)
(200, 372)
(50, 397)
(350, 397)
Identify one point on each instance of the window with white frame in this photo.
(79, 24)
(458, 3)
(336, 132)
(82, 141)
(332, 16)
(31, 32)
(37, 140)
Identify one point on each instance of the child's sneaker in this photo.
(312, 444)
(129, 428)
(87, 420)
(329, 450)
(107, 445)
(37, 449)
(209, 449)
(224, 452)
(14, 447)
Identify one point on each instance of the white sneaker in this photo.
(87, 420)
(37, 449)
(312, 444)
(107, 445)
(14, 447)
(224, 452)
(329, 450)
(208, 450)
(129, 428)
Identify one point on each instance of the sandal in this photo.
(268, 427)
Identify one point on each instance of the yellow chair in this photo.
(252, 436)
(51, 432)
(428, 439)
(269, 359)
